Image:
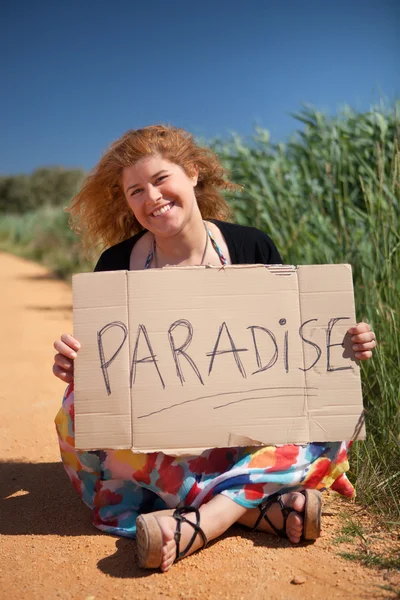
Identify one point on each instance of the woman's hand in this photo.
(66, 347)
(363, 340)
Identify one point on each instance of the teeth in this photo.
(162, 210)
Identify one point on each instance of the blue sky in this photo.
(77, 75)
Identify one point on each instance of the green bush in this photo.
(47, 186)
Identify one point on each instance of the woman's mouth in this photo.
(162, 210)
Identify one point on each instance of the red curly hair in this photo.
(100, 213)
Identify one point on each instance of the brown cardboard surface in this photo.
(185, 359)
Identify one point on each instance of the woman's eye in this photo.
(161, 178)
(134, 192)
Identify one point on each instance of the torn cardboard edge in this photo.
(160, 347)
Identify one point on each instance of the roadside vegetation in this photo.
(331, 194)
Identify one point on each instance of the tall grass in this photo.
(330, 195)
(43, 235)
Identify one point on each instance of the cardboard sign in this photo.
(183, 359)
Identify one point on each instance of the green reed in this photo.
(332, 195)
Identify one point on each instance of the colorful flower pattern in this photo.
(118, 485)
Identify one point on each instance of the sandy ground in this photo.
(48, 547)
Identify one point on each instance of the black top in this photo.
(246, 245)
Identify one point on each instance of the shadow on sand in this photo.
(49, 276)
(123, 563)
(38, 499)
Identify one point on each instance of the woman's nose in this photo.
(153, 193)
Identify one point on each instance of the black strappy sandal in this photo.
(311, 515)
(149, 539)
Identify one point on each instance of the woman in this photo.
(154, 200)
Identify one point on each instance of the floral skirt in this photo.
(119, 485)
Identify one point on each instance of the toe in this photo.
(295, 500)
(168, 556)
(167, 525)
(171, 551)
(294, 527)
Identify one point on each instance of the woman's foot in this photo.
(294, 522)
(155, 532)
(168, 528)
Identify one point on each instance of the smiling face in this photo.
(160, 194)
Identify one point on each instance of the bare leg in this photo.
(220, 513)
(294, 523)
(215, 518)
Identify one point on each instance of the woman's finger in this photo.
(365, 346)
(359, 328)
(65, 349)
(62, 361)
(61, 374)
(68, 339)
(363, 338)
(363, 355)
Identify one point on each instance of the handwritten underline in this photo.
(234, 402)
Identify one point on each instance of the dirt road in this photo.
(48, 547)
